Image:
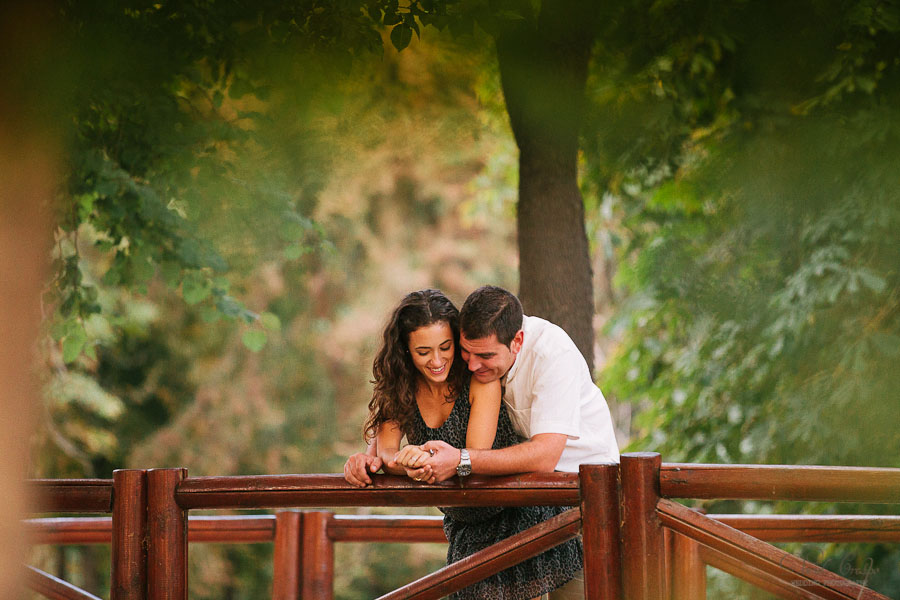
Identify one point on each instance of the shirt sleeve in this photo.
(557, 393)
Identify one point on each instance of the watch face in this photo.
(464, 470)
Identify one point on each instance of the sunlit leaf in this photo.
(254, 339)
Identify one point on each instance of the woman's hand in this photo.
(411, 457)
(423, 474)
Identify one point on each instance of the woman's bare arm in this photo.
(484, 399)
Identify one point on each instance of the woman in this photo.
(423, 390)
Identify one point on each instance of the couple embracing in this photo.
(485, 390)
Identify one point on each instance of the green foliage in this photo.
(758, 209)
(160, 142)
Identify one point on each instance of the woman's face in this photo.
(431, 348)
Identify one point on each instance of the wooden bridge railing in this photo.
(644, 559)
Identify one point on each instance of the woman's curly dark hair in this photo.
(395, 375)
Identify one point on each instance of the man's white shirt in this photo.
(549, 390)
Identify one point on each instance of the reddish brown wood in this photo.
(816, 528)
(168, 544)
(493, 559)
(778, 482)
(643, 551)
(600, 530)
(129, 535)
(317, 557)
(54, 588)
(286, 561)
(386, 528)
(98, 530)
(285, 491)
(410, 529)
(72, 495)
(688, 573)
(757, 577)
(231, 529)
(760, 555)
(70, 530)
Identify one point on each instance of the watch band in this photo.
(464, 467)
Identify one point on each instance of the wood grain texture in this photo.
(643, 550)
(71, 495)
(167, 531)
(286, 558)
(765, 559)
(54, 588)
(779, 482)
(287, 491)
(492, 560)
(601, 532)
(129, 535)
(387, 528)
(317, 560)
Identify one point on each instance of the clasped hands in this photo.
(432, 462)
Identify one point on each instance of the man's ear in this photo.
(516, 344)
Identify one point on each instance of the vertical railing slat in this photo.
(600, 531)
(167, 532)
(318, 557)
(129, 535)
(643, 551)
(688, 569)
(286, 559)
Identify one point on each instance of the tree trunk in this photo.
(543, 73)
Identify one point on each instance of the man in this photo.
(548, 391)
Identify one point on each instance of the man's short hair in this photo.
(491, 310)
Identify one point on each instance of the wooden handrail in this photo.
(386, 528)
(780, 482)
(201, 529)
(72, 495)
(287, 491)
(493, 559)
(816, 528)
(170, 495)
(764, 558)
(54, 588)
(429, 529)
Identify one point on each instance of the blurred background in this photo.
(227, 200)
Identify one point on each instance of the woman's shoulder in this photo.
(478, 389)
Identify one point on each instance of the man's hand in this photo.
(358, 466)
(444, 461)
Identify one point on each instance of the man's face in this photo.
(487, 358)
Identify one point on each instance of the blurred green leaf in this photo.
(254, 339)
(73, 343)
(270, 321)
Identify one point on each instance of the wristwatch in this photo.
(465, 463)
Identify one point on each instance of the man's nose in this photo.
(473, 363)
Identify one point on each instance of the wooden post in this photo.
(600, 531)
(643, 550)
(286, 575)
(688, 569)
(129, 535)
(168, 542)
(317, 560)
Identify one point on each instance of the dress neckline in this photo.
(449, 416)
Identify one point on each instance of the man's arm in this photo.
(539, 454)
